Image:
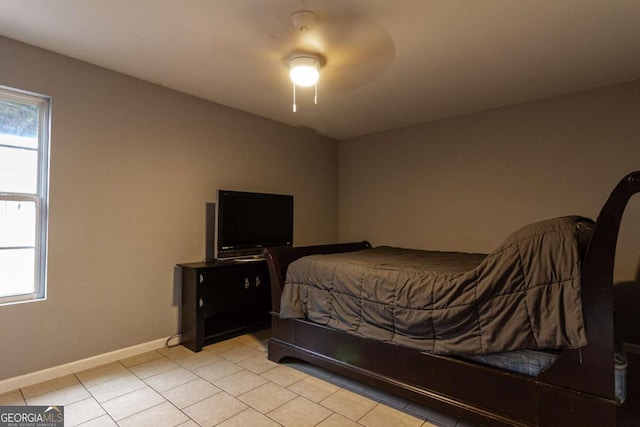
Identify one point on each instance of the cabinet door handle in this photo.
(246, 283)
(257, 281)
(200, 303)
(201, 278)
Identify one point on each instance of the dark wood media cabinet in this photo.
(222, 299)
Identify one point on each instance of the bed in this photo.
(576, 387)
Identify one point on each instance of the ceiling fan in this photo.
(304, 66)
(339, 45)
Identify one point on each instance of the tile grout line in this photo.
(281, 405)
(94, 398)
(161, 403)
(370, 410)
(264, 354)
(115, 397)
(231, 346)
(219, 389)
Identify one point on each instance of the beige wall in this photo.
(132, 166)
(466, 183)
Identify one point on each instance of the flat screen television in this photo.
(248, 222)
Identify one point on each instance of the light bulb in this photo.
(303, 71)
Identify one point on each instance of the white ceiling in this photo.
(389, 63)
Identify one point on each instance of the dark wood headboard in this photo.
(279, 259)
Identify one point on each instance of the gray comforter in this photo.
(523, 295)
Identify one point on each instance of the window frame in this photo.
(40, 197)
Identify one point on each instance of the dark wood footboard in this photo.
(483, 395)
(577, 390)
(590, 368)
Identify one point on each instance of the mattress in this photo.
(523, 295)
(530, 362)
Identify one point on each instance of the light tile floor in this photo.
(230, 383)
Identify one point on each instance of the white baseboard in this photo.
(25, 380)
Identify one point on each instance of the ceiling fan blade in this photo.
(355, 49)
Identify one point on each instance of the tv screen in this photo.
(248, 222)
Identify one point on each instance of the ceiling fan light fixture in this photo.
(303, 70)
(304, 67)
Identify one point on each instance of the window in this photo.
(24, 175)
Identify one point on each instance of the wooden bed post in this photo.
(591, 368)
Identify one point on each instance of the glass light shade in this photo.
(304, 71)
